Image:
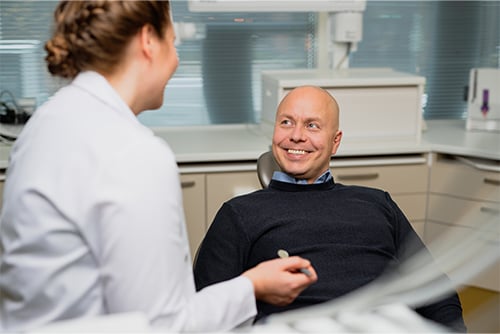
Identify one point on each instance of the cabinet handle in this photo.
(492, 181)
(368, 176)
(187, 184)
(489, 210)
(479, 165)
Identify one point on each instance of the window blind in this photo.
(218, 80)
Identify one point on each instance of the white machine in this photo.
(483, 103)
(345, 24)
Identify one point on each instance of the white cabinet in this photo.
(464, 195)
(375, 103)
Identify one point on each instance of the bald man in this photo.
(349, 233)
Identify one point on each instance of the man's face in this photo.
(306, 133)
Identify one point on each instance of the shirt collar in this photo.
(284, 177)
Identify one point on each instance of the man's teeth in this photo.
(296, 151)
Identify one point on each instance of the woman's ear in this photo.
(146, 35)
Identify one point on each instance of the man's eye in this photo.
(286, 122)
(313, 126)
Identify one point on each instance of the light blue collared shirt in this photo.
(284, 177)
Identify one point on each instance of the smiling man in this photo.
(306, 133)
(351, 234)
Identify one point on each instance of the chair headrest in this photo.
(266, 165)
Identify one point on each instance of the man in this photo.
(349, 233)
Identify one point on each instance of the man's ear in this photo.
(336, 141)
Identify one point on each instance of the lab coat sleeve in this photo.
(144, 250)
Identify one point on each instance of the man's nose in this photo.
(297, 134)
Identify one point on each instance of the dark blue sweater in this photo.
(349, 233)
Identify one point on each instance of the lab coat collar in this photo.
(96, 85)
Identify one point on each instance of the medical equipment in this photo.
(344, 26)
(377, 105)
(483, 101)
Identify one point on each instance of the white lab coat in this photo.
(93, 223)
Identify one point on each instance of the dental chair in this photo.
(266, 165)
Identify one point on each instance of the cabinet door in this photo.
(465, 196)
(193, 196)
(454, 177)
(224, 186)
(488, 278)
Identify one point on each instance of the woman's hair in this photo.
(93, 35)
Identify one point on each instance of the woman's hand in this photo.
(280, 281)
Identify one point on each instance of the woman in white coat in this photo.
(92, 220)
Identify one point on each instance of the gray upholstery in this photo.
(266, 165)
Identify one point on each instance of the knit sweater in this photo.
(350, 234)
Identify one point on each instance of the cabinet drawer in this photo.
(454, 177)
(488, 278)
(457, 211)
(398, 179)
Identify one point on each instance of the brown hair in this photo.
(93, 35)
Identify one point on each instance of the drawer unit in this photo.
(396, 179)
(466, 178)
(462, 212)
(488, 278)
(464, 195)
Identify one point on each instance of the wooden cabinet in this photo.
(464, 195)
(193, 196)
(404, 177)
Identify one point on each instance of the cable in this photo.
(10, 111)
(346, 56)
(12, 99)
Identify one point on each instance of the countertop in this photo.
(244, 143)
(247, 142)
